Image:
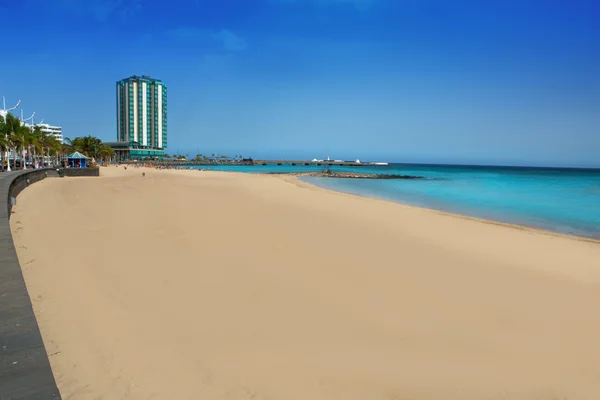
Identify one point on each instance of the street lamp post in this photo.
(23, 161)
(6, 134)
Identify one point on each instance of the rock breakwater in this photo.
(348, 175)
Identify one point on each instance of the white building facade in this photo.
(51, 130)
(142, 112)
(55, 131)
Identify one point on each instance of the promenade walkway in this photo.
(4, 175)
(25, 371)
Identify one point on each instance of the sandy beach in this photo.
(214, 285)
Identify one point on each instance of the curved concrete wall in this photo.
(25, 371)
(79, 172)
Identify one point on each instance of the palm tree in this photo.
(66, 148)
(48, 144)
(10, 131)
(105, 153)
(87, 145)
(4, 143)
(110, 152)
(29, 141)
(36, 144)
(16, 142)
(20, 137)
(4, 146)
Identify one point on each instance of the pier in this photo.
(306, 163)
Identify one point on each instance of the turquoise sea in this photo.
(559, 200)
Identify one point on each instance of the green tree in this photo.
(86, 145)
(105, 153)
(50, 146)
(11, 128)
(4, 142)
(36, 147)
(17, 140)
(21, 139)
(4, 146)
(29, 141)
(89, 146)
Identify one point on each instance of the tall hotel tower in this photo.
(142, 112)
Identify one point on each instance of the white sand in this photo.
(203, 285)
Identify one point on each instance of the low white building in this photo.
(55, 131)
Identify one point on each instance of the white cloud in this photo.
(227, 39)
(231, 41)
(187, 33)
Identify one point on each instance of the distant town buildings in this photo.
(55, 131)
(141, 118)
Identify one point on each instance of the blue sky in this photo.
(461, 81)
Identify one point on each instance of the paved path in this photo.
(4, 175)
(24, 367)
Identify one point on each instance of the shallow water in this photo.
(560, 200)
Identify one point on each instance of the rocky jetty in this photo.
(327, 173)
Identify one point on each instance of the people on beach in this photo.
(161, 166)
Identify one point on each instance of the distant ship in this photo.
(328, 160)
